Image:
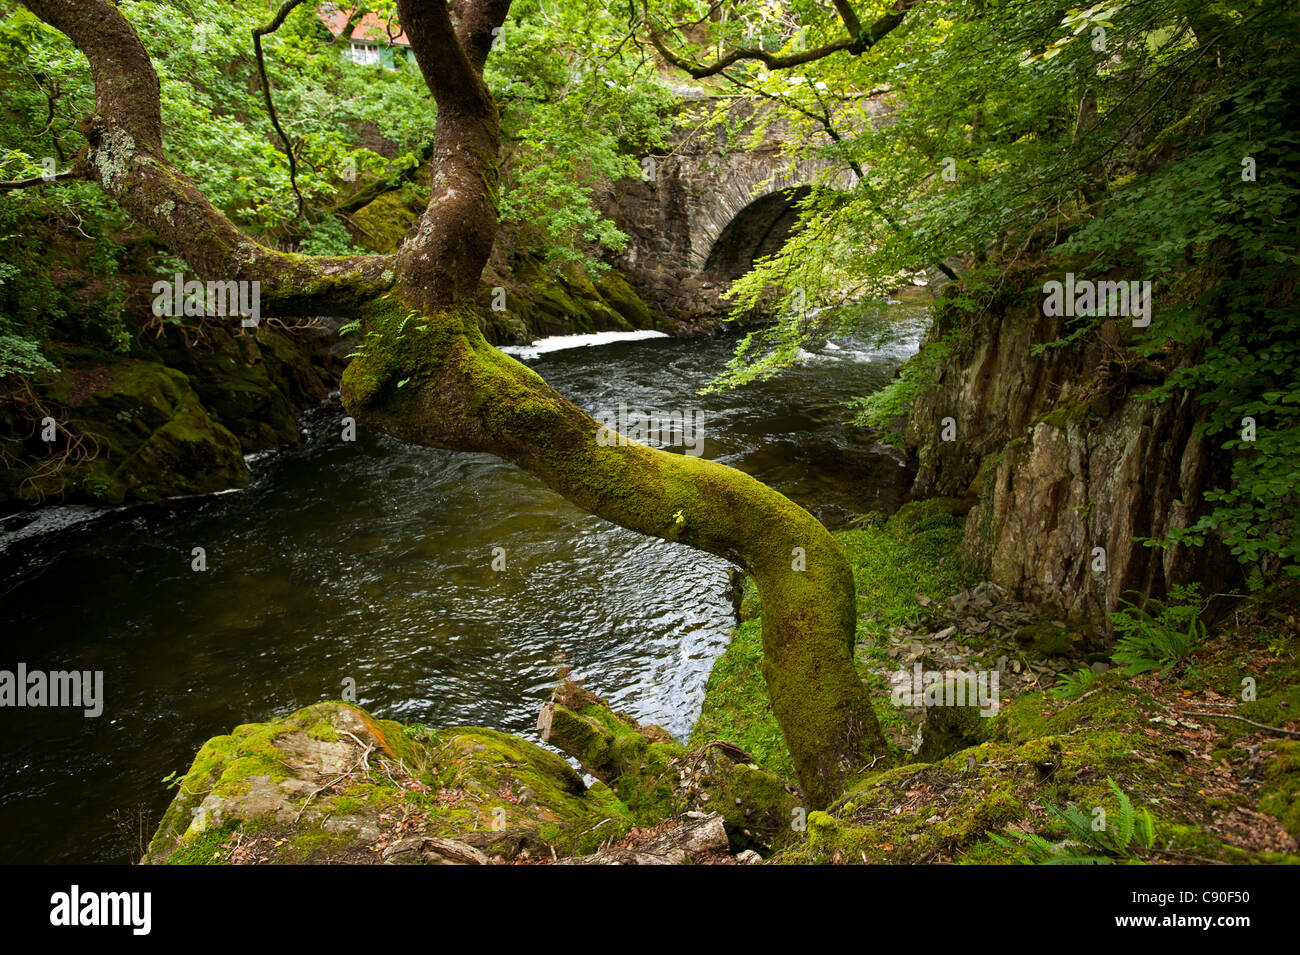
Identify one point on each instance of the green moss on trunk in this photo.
(431, 379)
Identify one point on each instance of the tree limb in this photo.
(476, 21)
(450, 71)
(1232, 716)
(350, 26)
(126, 157)
(10, 185)
(441, 262)
(849, 16)
(372, 191)
(258, 32)
(857, 42)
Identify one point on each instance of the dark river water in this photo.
(372, 561)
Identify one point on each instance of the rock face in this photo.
(1064, 466)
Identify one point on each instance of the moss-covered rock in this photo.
(330, 783)
(175, 421)
(149, 434)
(1040, 752)
(381, 224)
(950, 728)
(1043, 753)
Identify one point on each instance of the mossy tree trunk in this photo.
(426, 375)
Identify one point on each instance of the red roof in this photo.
(371, 29)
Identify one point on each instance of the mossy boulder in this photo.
(175, 421)
(330, 783)
(617, 293)
(150, 435)
(917, 516)
(950, 728)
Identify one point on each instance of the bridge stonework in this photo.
(704, 211)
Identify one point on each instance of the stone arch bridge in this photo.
(711, 206)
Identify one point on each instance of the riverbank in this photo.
(171, 410)
(1219, 788)
(1143, 754)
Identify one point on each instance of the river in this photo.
(372, 562)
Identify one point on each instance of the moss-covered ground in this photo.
(1218, 789)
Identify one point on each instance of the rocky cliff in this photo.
(1066, 464)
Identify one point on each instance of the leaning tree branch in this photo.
(773, 61)
(437, 382)
(387, 183)
(849, 16)
(11, 185)
(857, 42)
(864, 183)
(258, 32)
(125, 156)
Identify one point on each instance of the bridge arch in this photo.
(741, 187)
(759, 229)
